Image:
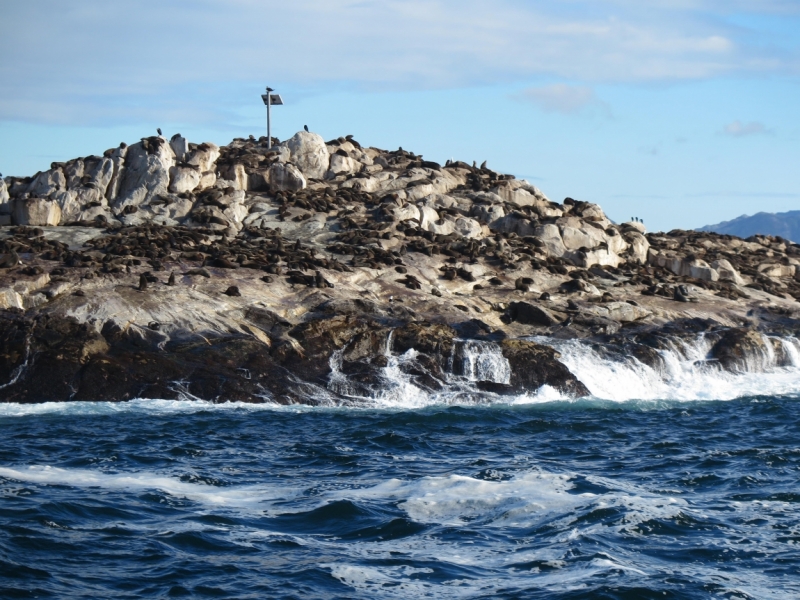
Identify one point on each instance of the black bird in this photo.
(305, 127)
(159, 130)
(483, 165)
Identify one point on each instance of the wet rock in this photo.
(530, 314)
(741, 349)
(534, 365)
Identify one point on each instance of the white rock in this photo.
(469, 228)
(727, 272)
(208, 179)
(635, 225)
(236, 213)
(546, 209)
(179, 145)
(285, 176)
(440, 200)
(5, 199)
(69, 204)
(617, 244)
(620, 311)
(204, 157)
(777, 270)
(37, 211)
(145, 176)
(593, 212)
(440, 226)
(408, 211)
(309, 154)
(639, 246)
(590, 258)
(47, 183)
(513, 192)
(183, 179)
(342, 165)
(118, 166)
(418, 192)
(363, 184)
(514, 223)
(235, 177)
(551, 237)
(427, 215)
(699, 269)
(488, 213)
(576, 238)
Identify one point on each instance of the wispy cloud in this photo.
(739, 129)
(96, 61)
(560, 97)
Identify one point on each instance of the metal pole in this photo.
(269, 128)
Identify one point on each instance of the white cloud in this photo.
(739, 129)
(560, 97)
(98, 61)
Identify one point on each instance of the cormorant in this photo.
(483, 165)
(305, 127)
(159, 130)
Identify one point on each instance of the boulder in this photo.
(204, 157)
(5, 198)
(777, 270)
(309, 154)
(530, 314)
(741, 349)
(551, 237)
(576, 238)
(427, 217)
(183, 179)
(342, 165)
(620, 311)
(699, 269)
(634, 225)
(179, 145)
(488, 214)
(533, 366)
(727, 272)
(408, 211)
(466, 227)
(117, 159)
(37, 211)
(286, 176)
(638, 246)
(47, 183)
(146, 173)
(236, 177)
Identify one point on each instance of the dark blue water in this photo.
(558, 500)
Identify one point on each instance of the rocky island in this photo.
(299, 273)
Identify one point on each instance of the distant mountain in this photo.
(786, 225)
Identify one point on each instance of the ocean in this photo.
(677, 483)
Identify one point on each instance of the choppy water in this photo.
(674, 486)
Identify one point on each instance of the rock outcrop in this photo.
(302, 272)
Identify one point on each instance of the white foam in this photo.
(686, 374)
(235, 496)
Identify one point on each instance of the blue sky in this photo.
(681, 112)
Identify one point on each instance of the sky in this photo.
(680, 112)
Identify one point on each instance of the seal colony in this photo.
(166, 269)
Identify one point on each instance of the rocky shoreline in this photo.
(294, 274)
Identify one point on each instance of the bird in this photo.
(159, 130)
(483, 165)
(305, 127)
